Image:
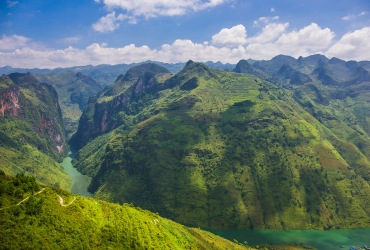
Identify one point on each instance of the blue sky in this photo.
(62, 33)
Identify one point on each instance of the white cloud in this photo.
(148, 9)
(231, 37)
(348, 17)
(153, 8)
(269, 33)
(11, 3)
(272, 10)
(306, 41)
(109, 22)
(70, 40)
(353, 16)
(352, 46)
(274, 39)
(13, 42)
(311, 37)
(265, 20)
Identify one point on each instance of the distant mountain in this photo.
(243, 66)
(217, 149)
(294, 76)
(32, 137)
(55, 219)
(218, 65)
(106, 74)
(273, 65)
(74, 90)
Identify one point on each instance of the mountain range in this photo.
(280, 144)
(275, 144)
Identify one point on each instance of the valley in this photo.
(280, 144)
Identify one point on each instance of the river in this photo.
(322, 240)
(80, 181)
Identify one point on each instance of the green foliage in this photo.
(32, 135)
(237, 152)
(42, 223)
(74, 90)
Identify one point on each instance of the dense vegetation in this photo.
(74, 90)
(41, 222)
(216, 149)
(32, 135)
(105, 113)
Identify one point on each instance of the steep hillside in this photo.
(223, 150)
(273, 65)
(244, 67)
(74, 90)
(292, 76)
(32, 136)
(109, 110)
(55, 219)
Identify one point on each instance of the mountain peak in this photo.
(243, 66)
(189, 63)
(335, 60)
(135, 72)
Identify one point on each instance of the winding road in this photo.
(59, 198)
(62, 203)
(24, 199)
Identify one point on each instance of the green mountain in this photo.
(216, 149)
(243, 66)
(32, 137)
(74, 90)
(292, 76)
(109, 109)
(273, 65)
(55, 219)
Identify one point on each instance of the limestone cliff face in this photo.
(9, 102)
(109, 110)
(34, 107)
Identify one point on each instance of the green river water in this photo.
(322, 240)
(80, 181)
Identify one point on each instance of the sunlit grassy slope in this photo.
(215, 149)
(84, 223)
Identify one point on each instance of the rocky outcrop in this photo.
(35, 108)
(9, 102)
(103, 116)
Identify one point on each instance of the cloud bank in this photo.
(229, 45)
(135, 9)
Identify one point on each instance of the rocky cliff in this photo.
(32, 134)
(116, 105)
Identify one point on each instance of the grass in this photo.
(234, 151)
(42, 223)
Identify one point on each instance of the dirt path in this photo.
(24, 199)
(62, 203)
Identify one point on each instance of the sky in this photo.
(66, 33)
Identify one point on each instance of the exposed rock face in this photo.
(9, 102)
(103, 116)
(34, 106)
